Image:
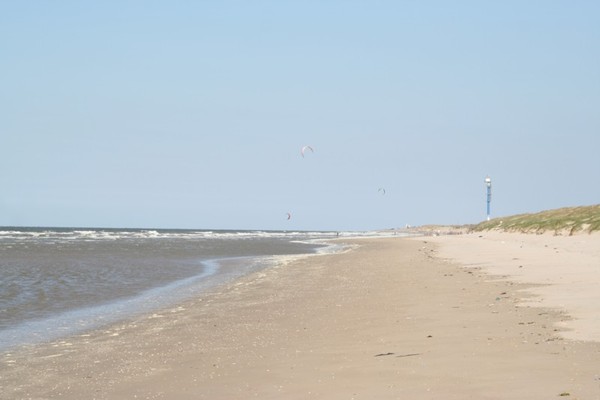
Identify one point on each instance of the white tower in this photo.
(488, 184)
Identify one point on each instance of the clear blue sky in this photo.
(192, 114)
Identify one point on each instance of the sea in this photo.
(58, 282)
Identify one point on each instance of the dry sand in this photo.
(388, 320)
(565, 270)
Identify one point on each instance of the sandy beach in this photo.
(563, 271)
(480, 316)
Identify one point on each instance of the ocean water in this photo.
(56, 282)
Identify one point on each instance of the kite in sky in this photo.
(304, 150)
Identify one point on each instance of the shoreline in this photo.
(216, 272)
(387, 319)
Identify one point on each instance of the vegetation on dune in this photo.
(560, 221)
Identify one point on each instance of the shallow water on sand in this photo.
(60, 281)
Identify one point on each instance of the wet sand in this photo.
(394, 318)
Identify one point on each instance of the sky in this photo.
(192, 114)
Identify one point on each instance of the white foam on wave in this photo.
(101, 234)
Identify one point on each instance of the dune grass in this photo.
(560, 221)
